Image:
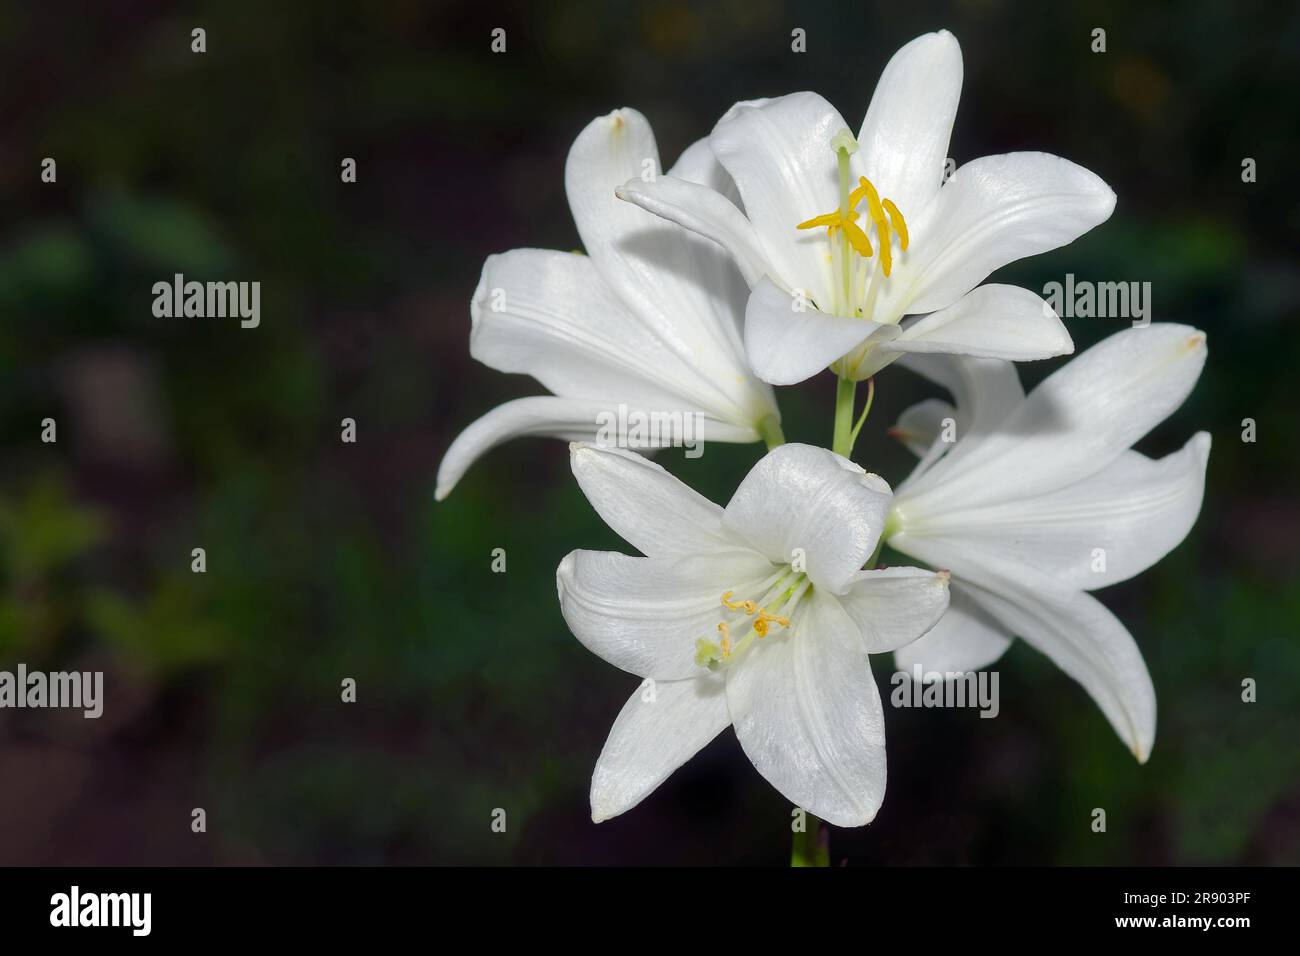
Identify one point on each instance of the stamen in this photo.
(764, 619)
(877, 213)
(884, 216)
(830, 220)
(857, 238)
(900, 224)
(777, 593)
(748, 606)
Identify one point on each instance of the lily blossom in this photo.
(757, 616)
(841, 238)
(646, 324)
(1040, 499)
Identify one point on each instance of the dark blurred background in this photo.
(328, 560)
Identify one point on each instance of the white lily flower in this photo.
(822, 289)
(1041, 499)
(758, 615)
(648, 322)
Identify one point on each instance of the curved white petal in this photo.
(993, 211)
(551, 315)
(568, 418)
(1071, 627)
(1080, 419)
(679, 286)
(779, 154)
(786, 346)
(609, 151)
(650, 509)
(922, 424)
(807, 713)
(991, 321)
(806, 499)
(967, 638)
(904, 138)
(645, 614)
(657, 731)
(892, 607)
(706, 212)
(697, 164)
(1098, 531)
(986, 392)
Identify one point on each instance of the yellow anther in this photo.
(884, 216)
(726, 638)
(857, 238)
(711, 655)
(830, 220)
(749, 607)
(900, 224)
(877, 213)
(764, 619)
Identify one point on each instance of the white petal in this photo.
(1096, 532)
(551, 315)
(892, 607)
(995, 210)
(798, 497)
(904, 139)
(651, 510)
(652, 738)
(807, 713)
(1072, 628)
(680, 287)
(608, 152)
(1080, 419)
(706, 212)
(786, 346)
(986, 392)
(697, 164)
(540, 415)
(992, 321)
(921, 425)
(779, 154)
(645, 614)
(967, 638)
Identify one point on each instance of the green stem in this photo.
(813, 846)
(842, 442)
